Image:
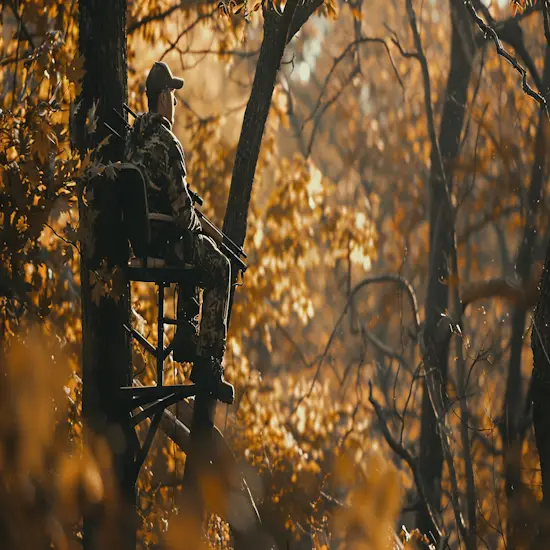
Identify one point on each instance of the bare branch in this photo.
(337, 60)
(397, 279)
(486, 219)
(405, 455)
(301, 15)
(464, 415)
(501, 288)
(183, 4)
(427, 90)
(488, 30)
(384, 348)
(21, 23)
(173, 45)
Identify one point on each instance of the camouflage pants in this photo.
(215, 277)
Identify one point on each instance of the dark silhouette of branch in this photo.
(405, 455)
(183, 4)
(21, 24)
(488, 30)
(397, 279)
(486, 219)
(301, 15)
(524, 296)
(173, 45)
(337, 60)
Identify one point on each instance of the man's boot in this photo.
(207, 373)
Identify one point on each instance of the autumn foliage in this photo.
(326, 345)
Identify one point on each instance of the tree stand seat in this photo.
(155, 270)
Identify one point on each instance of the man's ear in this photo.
(162, 99)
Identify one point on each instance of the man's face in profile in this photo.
(167, 103)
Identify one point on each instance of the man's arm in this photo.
(182, 205)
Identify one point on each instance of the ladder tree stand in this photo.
(112, 405)
(139, 403)
(143, 402)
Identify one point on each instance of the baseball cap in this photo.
(160, 78)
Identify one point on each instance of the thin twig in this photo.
(401, 281)
(337, 60)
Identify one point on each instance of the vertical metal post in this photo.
(160, 336)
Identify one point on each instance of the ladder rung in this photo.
(168, 321)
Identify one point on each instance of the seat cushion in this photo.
(150, 262)
(155, 270)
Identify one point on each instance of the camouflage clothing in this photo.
(153, 147)
(215, 277)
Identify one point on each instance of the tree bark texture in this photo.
(442, 241)
(540, 384)
(512, 415)
(106, 350)
(276, 32)
(540, 344)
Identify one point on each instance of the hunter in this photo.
(153, 147)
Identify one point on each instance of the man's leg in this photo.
(188, 309)
(215, 272)
(179, 253)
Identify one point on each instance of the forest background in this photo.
(382, 373)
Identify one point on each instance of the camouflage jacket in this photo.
(153, 147)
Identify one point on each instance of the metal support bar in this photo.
(160, 405)
(160, 335)
(133, 436)
(156, 392)
(168, 321)
(168, 350)
(148, 442)
(142, 340)
(141, 401)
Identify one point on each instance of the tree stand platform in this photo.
(152, 400)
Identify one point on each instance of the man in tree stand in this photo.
(152, 146)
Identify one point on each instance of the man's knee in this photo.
(215, 265)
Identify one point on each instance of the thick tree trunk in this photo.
(277, 32)
(540, 343)
(540, 384)
(442, 236)
(106, 352)
(513, 407)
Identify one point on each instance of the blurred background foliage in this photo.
(340, 196)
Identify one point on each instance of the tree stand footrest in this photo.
(138, 396)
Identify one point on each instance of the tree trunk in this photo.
(540, 383)
(277, 32)
(512, 407)
(106, 352)
(248, 149)
(442, 236)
